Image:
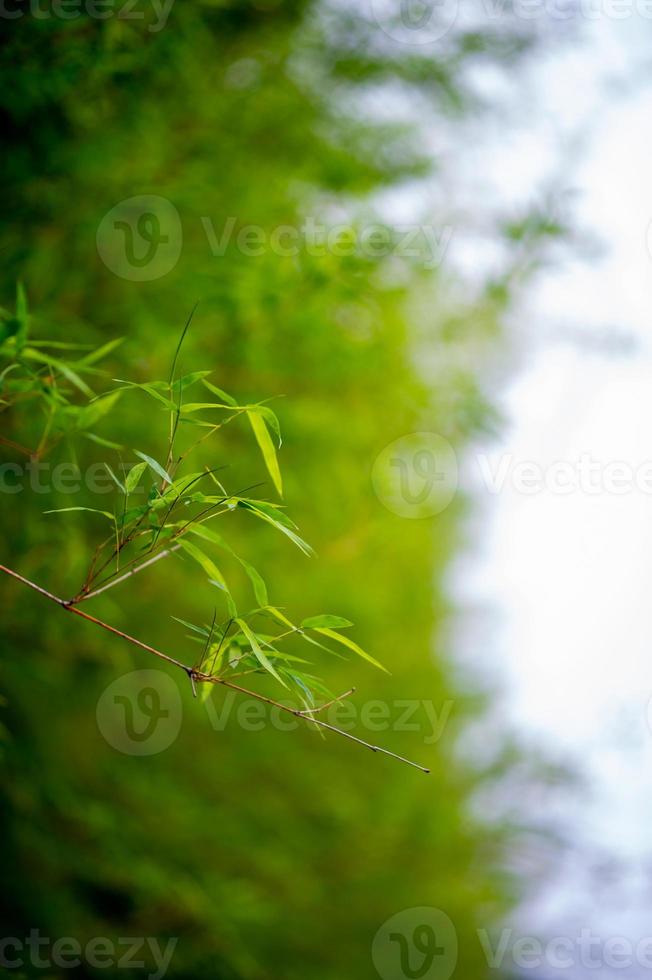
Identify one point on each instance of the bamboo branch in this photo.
(196, 676)
(132, 571)
(322, 707)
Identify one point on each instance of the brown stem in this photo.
(65, 604)
(195, 675)
(16, 445)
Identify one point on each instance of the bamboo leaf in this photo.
(256, 579)
(89, 415)
(133, 476)
(267, 449)
(271, 418)
(22, 318)
(91, 510)
(345, 641)
(101, 442)
(231, 606)
(62, 367)
(261, 657)
(229, 399)
(151, 390)
(326, 621)
(277, 523)
(100, 352)
(206, 563)
(158, 469)
(117, 482)
(191, 626)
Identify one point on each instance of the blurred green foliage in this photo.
(266, 853)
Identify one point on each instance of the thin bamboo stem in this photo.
(197, 676)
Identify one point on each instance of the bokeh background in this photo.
(267, 853)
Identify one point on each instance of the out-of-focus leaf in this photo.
(22, 317)
(91, 510)
(90, 415)
(101, 352)
(62, 367)
(100, 441)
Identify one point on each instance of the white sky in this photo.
(568, 577)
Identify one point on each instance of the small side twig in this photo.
(322, 707)
(122, 578)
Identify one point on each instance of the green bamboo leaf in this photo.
(262, 659)
(256, 579)
(345, 641)
(115, 479)
(191, 626)
(22, 317)
(133, 476)
(100, 352)
(229, 399)
(90, 415)
(326, 621)
(158, 469)
(61, 345)
(187, 380)
(151, 390)
(279, 525)
(271, 418)
(91, 510)
(267, 449)
(206, 563)
(281, 617)
(62, 367)
(231, 606)
(274, 511)
(257, 582)
(205, 406)
(101, 442)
